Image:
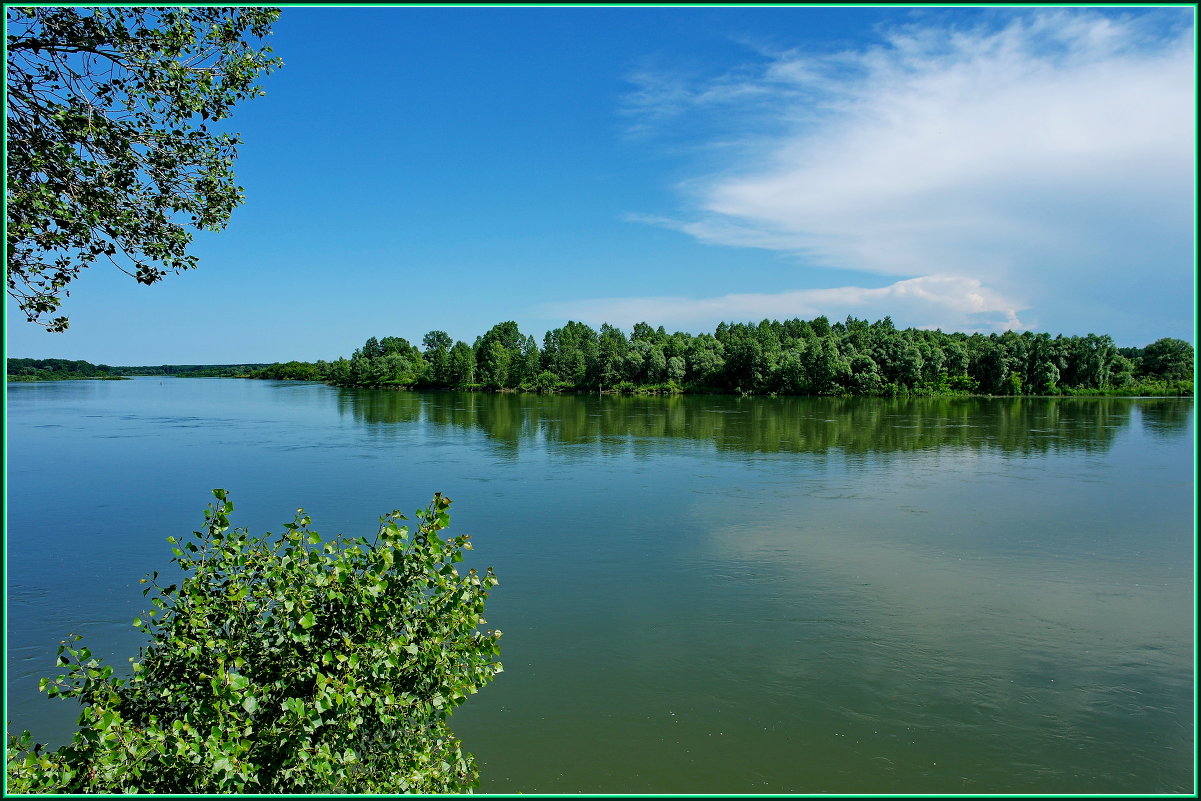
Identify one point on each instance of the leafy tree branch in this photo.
(109, 150)
(290, 664)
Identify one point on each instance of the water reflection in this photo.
(1165, 416)
(780, 425)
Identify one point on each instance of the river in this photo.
(698, 594)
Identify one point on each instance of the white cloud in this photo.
(1050, 159)
(944, 301)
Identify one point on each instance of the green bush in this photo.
(1144, 388)
(546, 381)
(963, 383)
(286, 665)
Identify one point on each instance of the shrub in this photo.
(963, 383)
(546, 381)
(284, 665)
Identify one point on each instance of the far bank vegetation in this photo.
(794, 357)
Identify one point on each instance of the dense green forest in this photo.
(57, 370)
(794, 357)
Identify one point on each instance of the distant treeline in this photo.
(57, 370)
(194, 370)
(64, 369)
(794, 357)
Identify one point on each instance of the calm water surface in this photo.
(699, 594)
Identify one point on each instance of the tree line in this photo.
(57, 370)
(67, 369)
(793, 357)
(193, 370)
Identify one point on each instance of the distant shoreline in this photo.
(24, 379)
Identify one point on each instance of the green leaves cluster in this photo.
(287, 664)
(109, 151)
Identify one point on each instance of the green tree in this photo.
(956, 358)
(461, 365)
(793, 377)
(706, 359)
(401, 363)
(644, 333)
(1046, 378)
(571, 352)
(546, 381)
(339, 371)
(294, 371)
(611, 350)
(656, 365)
(744, 357)
(1168, 358)
(109, 151)
(933, 360)
(401, 370)
(675, 369)
(828, 369)
(865, 378)
(285, 665)
(372, 349)
(992, 368)
(493, 362)
(398, 345)
(1121, 371)
(633, 361)
(529, 364)
(495, 354)
(1094, 357)
(437, 341)
(437, 346)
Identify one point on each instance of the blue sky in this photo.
(413, 169)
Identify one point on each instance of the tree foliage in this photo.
(793, 357)
(285, 665)
(109, 150)
(1168, 358)
(56, 370)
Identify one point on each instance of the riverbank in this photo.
(1163, 389)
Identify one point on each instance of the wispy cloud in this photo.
(962, 304)
(1049, 159)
